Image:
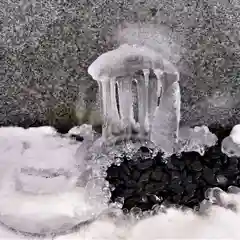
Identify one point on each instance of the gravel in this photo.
(181, 180)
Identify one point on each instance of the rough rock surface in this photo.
(47, 45)
(182, 180)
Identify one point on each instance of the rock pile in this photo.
(182, 180)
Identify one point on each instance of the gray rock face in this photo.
(47, 46)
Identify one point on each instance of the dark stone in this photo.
(154, 199)
(136, 174)
(198, 175)
(154, 187)
(196, 166)
(176, 176)
(113, 172)
(123, 176)
(128, 192)
(170, 165)
(144, 177)
(77, 137)
(177, 162)
(126, 169)
(180, 180)
(145, 164)
(190, 189)
(131, 184)
(222, 180)
(157, 174)
(208, 176)
(165, 178)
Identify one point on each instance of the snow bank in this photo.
(216, 222)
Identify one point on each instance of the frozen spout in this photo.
(115, 72)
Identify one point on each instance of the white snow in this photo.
(29, 211)
(235, 134)
(231, 144)
(218, 223)
(85, 131)
(38, 177)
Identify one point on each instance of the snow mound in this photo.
(214, 222)
(231, 144)
(39, 181)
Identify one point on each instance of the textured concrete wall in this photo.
(46, 47)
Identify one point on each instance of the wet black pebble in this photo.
(77, 137)
(180, 180)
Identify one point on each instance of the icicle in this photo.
(152, 100)
(106, 107)
(146, 74)
(142, 108)
(115, 120)
(125, 102)
(167, 115)
(159, 73)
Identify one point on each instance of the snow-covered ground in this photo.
(24, 152)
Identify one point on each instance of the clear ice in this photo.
(158, 94)
(196, 139)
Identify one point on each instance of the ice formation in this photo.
(115, 72)
(39, 182)
(195, 139)
(231, 144)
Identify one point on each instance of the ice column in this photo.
(115, 72)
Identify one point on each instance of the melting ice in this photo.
(156, 79)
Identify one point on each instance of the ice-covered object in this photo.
(196, 139)
(40, 178)
(231, 144)
(126, 60)
(84, 130)
(165, 125)
(116, 71)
